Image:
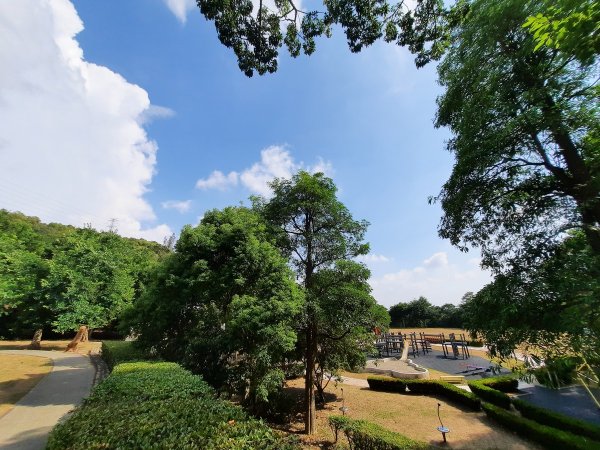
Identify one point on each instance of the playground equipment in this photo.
(458, 347)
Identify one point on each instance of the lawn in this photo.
(18, 375)
(83, 348)
(413, 416)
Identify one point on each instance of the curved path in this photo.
(27, 425)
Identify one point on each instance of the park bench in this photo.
(455, 379)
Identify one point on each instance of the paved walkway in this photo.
(27, 425)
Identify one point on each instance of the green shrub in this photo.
(161, 405)
(426, 387)
(557, 420)
(490, 395)
(387, 384)
(363, 435)
(547, 436)
(117, 352)
(503, 384)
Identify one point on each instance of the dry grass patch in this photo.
(413, 416)
(84, 348)
(18, 375)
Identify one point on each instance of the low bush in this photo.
(117, 352)
(557, 420)
(426, 387)
(502, 384)
(490, 395)
(363, 435)
(161, 405)
(387, 384)
(545, 435)
(557, 372)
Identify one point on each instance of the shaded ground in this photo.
(18, 375)
(573, 401)
(413, 416)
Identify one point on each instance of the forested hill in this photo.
(57, 277)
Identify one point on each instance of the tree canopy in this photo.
(525, 127)
(322, 238)
(58, 277)
(224, 304)
(256, 34)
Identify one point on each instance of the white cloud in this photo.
(180, 206)
(155, 112)
(275, 162)
(436, 260)
(73, 149)
(217, 180)
(181, 8)
(372, 258)
(437, 279)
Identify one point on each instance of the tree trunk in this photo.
(85, 335)
(310, 409)
(83, 330)
(36, 341)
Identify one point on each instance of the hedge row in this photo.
(557, 420)
(161, 405)
(490, 395)
(363, 435)
(425, 387)
(503, 383)
(547, 436)
(117, 352)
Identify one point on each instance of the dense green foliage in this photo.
(557, 420)
(257, 35)
(547, 436)
(322, 238)
(570, 26)
(525, 126)
(117, 352)
(420, 313)
(365, 435)
(59, 277)
(160, 405)
(224, 304)
(426, 387)
(525, 187)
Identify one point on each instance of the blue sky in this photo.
(127, 109)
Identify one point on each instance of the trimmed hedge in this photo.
(502, 383)
(557, 420)
(490, 395)
(387, 384)
(117, 352)
(161, 405)
(426, 387)
(547, 436)
(363, 435)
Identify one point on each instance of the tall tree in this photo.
(320, 235)
(224, 304)
(526, 127)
